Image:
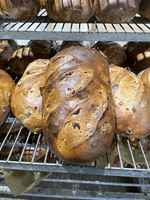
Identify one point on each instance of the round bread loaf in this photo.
(26, 102)
(77, 105)
(114, 52)
(71, 11)
(116, 11)
(7, 47)
(6, 88)
(18, 9)
(132, 102)
(138, 54)
(144, 9)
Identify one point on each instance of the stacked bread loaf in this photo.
(132, 102)
(18, 9)
(77, 105)
(116, 11)
(6, 88)
(71, 11)
(26, 102)
(112, 11)
(78, 112)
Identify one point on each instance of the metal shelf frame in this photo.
(43, 28)
(17, 145)
(74, 176)
(87, 181)
(75, 32)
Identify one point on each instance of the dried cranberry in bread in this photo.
(18, 9)
(115, 52)
(77, 105)
(6, 87)
(7, 47)
(26, 102)
(132, 102)
(71, 11)
(138, 54)
(116, 11)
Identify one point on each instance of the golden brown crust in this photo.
(132, 103)
(6, 87)
(26, 100)
(77, 105)
(114, 11)
(71, 11)
(18, 9)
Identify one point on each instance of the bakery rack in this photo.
(41, 27)
(66, 181)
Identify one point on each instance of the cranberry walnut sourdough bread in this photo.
(18, 9)
(71, 10)
(77, 105)
(6, 87)
(116, 11)
(26, 102)
(132, 102)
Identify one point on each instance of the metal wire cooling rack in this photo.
(22, 150)
(125, 174)
(41, 27)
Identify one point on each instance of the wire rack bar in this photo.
(53, 168)
(54, 196)
(77, 189)
(25, 146)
